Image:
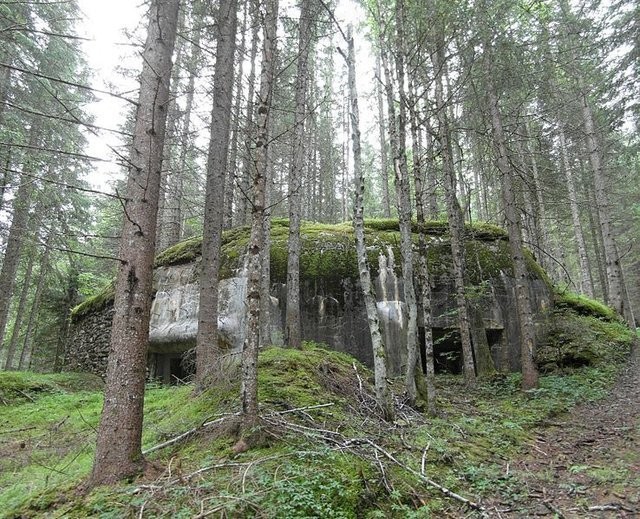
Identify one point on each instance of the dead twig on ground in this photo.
(444, 490)
(554, 509)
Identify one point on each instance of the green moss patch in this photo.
(95, 303)
(584, 305)
(183, 252)
(18, 386)
(311, 462)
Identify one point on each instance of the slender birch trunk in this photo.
(384, 161)
(398, 139)
(383, 395)
(249, 390)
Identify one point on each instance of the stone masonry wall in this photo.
(88, 345)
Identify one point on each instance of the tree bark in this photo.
(118, 451)
(17, 229)
(455, 219)
(293, 328)
(586, 282)
(207, 337)
(424, 288)
(512, 216)
(244, 181)
(230, 182)
(383, 396)
(35, 305)
(398, 139)
(173, 211)
(20, 311)
(249, 390)
(384, 162)
(615, 292)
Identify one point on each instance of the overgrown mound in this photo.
(582, 332)
(328, 254)
(583, 305)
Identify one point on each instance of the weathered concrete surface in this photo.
(332, 310)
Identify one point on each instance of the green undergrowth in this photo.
(311, 456)
(329, 257)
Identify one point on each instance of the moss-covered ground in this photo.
(313, 454)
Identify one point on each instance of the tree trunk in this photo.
(232, 168)
(424, 287)
(384, 162)
(172, 226)
(35, 305)
(615, 294)
(586, 282)
(293, 330)
(207, 337)
(118, 450)
(512, 216)
(383, 396)
(249, 390)
(17, 229)
(169, 170)
(398, 140)
(454, 214)
(596, 237)
(244, 182)
(265, 280)
(20, 311)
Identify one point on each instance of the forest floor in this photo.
(586, 464)
(569, 449)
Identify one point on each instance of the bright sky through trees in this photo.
(112, 51)
(112, 47)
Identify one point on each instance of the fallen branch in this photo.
(423, 461)
(444, 490)
(554, 509)
(186, 434)
(297, 409)
(26, 395)
(11, 431)
(608, 508)
(204, 425)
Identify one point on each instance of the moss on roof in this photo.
(328, 253)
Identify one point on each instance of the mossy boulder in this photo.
(575, 337)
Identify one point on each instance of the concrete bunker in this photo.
(332, 306)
